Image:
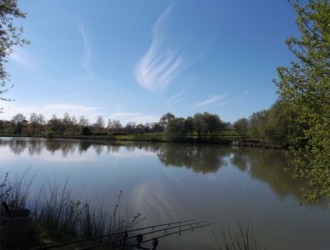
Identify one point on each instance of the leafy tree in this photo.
(10, 36)
(99, 125)
(189, 125)
(305, 86)
(278, 128)
(165, 119)
(206, 124)
(116, 125)
(19, 121)
(140, 128)
(257, 124)
(174, 129)
(55, 126)
(83, 121)
(130, 126)
(85, 130)
(241, 127)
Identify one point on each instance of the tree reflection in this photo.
(263, 165)
(200, 158)
(268, 166)
(17, 146)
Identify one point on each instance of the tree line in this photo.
(201, 124)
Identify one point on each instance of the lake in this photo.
(173, 182)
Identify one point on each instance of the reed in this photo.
(241, 239)
(57, 216)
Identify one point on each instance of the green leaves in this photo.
(305, 87)
(10, 36)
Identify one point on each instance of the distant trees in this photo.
(174, 129)
(98, 127)
(203, 124)
(19, 123)
(268, 126)
(241, 127)
(206, 124)
(164, 120)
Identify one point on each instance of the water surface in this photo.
(170, 182)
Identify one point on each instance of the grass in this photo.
(58, 217)
(242, 239)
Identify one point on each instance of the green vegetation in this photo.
(305, 87)
(10, 36)
(300, 119)
(57, 216)
(243, 239)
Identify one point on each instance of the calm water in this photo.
(175, 182)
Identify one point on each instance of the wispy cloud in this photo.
(87, 51)
(87, 56)
(160, 65)
(175, 98)
(211, 100)
(22, 59)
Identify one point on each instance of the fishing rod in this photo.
(139, 237)
(109, 235)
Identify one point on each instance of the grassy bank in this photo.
(58, 217)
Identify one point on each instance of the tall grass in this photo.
(241, 239)
(58, 216)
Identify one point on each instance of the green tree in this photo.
(257, 124)
(206, 124)
(165, 119)
(10, 36)
(278, 128)
(174, 129)
(99, 125)
(241, 127)
(305, 86)
(19, 121)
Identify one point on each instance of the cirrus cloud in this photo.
(160, 65)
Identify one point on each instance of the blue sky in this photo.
(137, 60)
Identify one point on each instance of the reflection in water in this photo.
(239, 184)
(199, 158)
(268, 166)
(264, 165)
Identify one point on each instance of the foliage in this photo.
(10, 36)
(85, 130)
(305, 87)
(164, 120)
(273, 125)
(241, 126)
(58, 216)
(174, 129)
(206, 124)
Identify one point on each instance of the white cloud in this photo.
(50, 109)
(175, 98)
(126, 117)
(211, 100)
(160, 65)
(22, 59)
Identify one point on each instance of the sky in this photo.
(134, 61)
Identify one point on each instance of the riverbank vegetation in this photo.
(57, 216)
